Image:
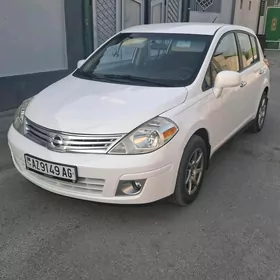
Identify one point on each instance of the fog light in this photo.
(130, 187)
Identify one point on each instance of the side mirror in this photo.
(80, 63)
(226, 79)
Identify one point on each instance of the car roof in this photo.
(182, 28)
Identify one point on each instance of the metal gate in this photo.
(165, 11)
(104, 20)
(211, 10)
(111, 16)
(130, 13)
(174, 10)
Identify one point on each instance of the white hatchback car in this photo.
(140, 118)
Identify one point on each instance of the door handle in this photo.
(243, 84)
(261, 71)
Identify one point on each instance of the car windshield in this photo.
(149, 59)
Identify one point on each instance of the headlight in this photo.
(147, 138)
(19, 116)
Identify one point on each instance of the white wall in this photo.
(246, 17)
(32, 36)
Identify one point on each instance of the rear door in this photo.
(252, 71)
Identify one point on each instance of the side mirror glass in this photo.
(80, 63)
(226, 79)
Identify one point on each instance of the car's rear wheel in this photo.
(259, 120)
(191, 171)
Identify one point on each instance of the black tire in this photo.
(256, 125)
(181, 195)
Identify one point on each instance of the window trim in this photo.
(203, 87)
(241, 66)
(209, 65)
(257, 47)
(240, 52)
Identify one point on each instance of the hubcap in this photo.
(194, 171)
(262, 112)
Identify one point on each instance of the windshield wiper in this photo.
(91, 76)
(79, 72)
(134, 78)
(113, 77)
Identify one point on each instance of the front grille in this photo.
(84, 185)
(92, 186)
(66, 142)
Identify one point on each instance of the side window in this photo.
(226, 54)
(256, 57)
(224, 58)
(246, 49)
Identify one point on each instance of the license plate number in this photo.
(54, 170)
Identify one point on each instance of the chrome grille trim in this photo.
(84, 185)
(72, 143)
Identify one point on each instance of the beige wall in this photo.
(246, 17)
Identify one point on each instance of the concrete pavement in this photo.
(231, 232)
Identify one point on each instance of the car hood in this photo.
(83, 106)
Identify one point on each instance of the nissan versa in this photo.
(140, 118)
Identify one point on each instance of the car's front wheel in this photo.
(191, 171)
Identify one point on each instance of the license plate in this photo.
(51, 169)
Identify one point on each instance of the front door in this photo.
(232, 112)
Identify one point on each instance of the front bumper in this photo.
(99, 174)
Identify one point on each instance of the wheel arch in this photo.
(201, 131)
(266, 90)
(204, 134)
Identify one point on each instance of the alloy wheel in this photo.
(194, 171)
(262, 112)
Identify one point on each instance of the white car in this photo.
(140, 118)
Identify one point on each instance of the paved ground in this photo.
(231, 232)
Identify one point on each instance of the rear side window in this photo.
(246, 49)
(255, 50)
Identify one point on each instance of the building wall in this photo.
(33, 39)
(247, 13)
(41, 42)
